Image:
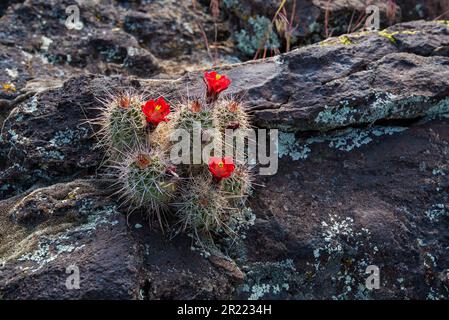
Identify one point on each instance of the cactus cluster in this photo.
(122, 122)
(205, 199)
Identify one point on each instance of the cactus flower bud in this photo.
(196, 106)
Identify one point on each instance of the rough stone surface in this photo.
(399, 73)
(114, 39)
(47, 231)
(315, 20)
(363, 172)
(51, 229)
(368, 196)
(59, 143)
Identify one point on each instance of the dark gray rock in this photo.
(354, 198)
(370, 189)
(48, 231)
(316, 20)
(38, 28)
(372, 76)
(114, 39)
(59, 142)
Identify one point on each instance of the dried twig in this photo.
(359, 23)
(215, 9)
(442, 15)
(350, 22)
(206, 42)
(203, 32)
(269, 29)
(392, 9)
(326, 20)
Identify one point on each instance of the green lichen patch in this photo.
(343, 140)
(350, 141)
(68, 136)
(289, 146)
(337, 116)
(50, 240)
(48, 250)
(341, 40)
(445, 22)
(439, 109)
(339, 234)
(50, 154)
(269, 280)
(391, 35)
(261, 36)
(380, 106)
(31, 106)
(356, 138)
(437, 211)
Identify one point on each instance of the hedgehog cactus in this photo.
(202, 208)
(196, 118)
(122, 123)
(206, 198)
(194, 112)
(229, 114)
(147, 180)
(239, 184)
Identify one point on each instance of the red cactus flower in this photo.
(156, 111)
(221, 168)
(216, 83)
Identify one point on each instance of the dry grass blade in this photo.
(268, 31)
